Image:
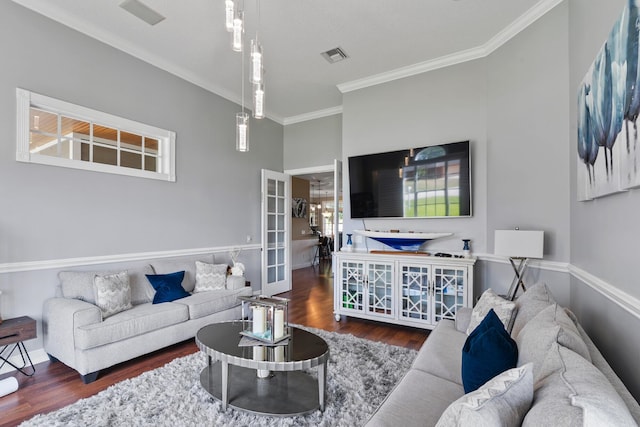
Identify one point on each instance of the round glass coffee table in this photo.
(232, 371)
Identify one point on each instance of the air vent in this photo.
(334, 55)
(142, 11)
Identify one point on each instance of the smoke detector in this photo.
(334, 55)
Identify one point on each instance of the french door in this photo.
(276, 225)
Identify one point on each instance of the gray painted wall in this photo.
(604, 231)
(442, 106)
(54, 213)
(527, 135)
(313, 143)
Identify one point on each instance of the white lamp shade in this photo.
(519, 243)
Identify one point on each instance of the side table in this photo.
(14, 332)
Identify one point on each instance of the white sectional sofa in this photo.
(569, 381)
(76, 334)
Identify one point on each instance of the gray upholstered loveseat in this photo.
(569, 382)
(76, 333)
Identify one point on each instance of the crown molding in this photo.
(312, 115)
(523, 21)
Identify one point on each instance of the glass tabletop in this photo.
(221, 340)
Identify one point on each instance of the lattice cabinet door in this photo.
(352, 285)
(415, 295)
(448, 291)
(380, 288)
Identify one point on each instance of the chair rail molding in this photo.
(14, 267)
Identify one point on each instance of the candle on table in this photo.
(279, 353)
(259, 320)
(258, 355)
(278, 324)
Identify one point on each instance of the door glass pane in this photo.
(271, 238)
(280, 272)
(271, 274)
(271, 187)
(280, 205)
(271, 222)
(280, 237)
(280, 222)
(281, 188)
(271, 204)
(271, 256)
(281, 256)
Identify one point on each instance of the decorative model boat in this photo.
(401, 241)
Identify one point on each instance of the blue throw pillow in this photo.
(168, 286)
(488, 351)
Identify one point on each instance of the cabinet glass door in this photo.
(352, 285)
(449, 284)
(380, 288)
(415, 301)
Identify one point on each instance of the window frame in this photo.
(26, 99)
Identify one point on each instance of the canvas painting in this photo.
(608, 110)
(299, 207)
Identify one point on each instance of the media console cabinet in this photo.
(404, 288)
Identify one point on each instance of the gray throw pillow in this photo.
(490, 300)
(112, 293)
(550, 326)
(79, 284)
(502, 401)
(528, 305)
(571, 391)
(210, 277)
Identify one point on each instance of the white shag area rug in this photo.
(360, 375)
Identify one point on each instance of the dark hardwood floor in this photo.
(55, 385)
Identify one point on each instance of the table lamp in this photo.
(518, 245)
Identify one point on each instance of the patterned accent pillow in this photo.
(489, 300)
(502, 401)
(210, 277)
(113, 293)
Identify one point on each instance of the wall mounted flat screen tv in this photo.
(425, 182)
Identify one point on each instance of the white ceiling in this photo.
(385, 39)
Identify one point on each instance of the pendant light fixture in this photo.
(235, 23)
(257, 72)
(229, 13)
(237, 31)
(242, 122)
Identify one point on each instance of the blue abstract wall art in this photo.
(608, 110)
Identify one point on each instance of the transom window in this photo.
(58, 133)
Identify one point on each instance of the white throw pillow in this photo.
(502, 307)
(210, 277)
(503, 401)
(113, 293)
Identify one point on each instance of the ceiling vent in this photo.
(334, 55)
(142, 11)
